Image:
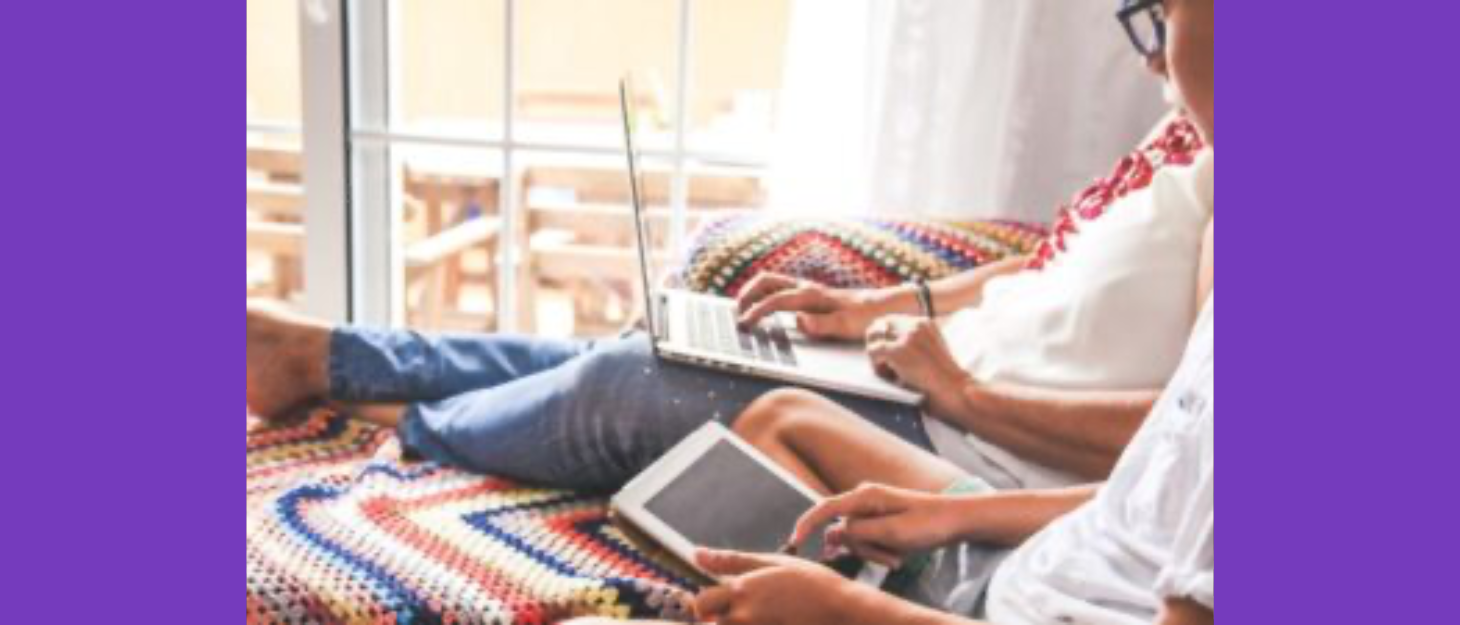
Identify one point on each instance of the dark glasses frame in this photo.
(1139, 9)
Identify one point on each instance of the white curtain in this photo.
(834, 66)
(957, 108)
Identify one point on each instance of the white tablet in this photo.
(716, 491)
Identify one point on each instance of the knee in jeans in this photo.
(610, 363)
(778, 413)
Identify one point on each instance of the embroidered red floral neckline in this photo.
(1178, 146)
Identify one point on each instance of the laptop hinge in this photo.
(661, 316)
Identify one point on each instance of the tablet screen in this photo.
(727, 500)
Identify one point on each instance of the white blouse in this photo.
(1113, 312)
(1149, 536)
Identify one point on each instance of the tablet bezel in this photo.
(632, 502)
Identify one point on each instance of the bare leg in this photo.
(288, 360)
(836, 451)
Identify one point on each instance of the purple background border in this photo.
(1339, 449)
(120, 145)
(118, 154)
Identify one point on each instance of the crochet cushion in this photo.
(339, 532)
(849, 252)
(869, 253)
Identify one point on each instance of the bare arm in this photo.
(1186, 613)
(1010, 519)
(844, 314)
(1081, 432)
(965, 290)
(884, 524)
(950, 294)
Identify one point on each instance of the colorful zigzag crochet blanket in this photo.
(339, 532)
(847, 253)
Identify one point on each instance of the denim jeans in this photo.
(586, 415)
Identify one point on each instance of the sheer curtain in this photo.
(835, 60)
(957, 108)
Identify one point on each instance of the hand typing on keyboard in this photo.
(714, 327)
(820, 312)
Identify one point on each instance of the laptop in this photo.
(704, 330)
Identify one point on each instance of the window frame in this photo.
(349, 130)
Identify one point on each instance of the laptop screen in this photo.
(641, 234)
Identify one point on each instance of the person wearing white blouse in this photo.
(1139, 548)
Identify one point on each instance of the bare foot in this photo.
(387, 416)
(288, 360)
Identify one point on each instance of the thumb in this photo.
(730, 563)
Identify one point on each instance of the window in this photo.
(482, 156)
(275, 164)
(738, 54)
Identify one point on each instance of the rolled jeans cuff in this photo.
(418, 440)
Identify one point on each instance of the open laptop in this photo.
(704, 330)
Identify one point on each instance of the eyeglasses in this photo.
(1145, 22)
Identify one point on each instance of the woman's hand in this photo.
(882, 524)
(773, 590)
(911, 351)
(822, 312)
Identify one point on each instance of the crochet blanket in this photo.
(847, 253)
(340, 531)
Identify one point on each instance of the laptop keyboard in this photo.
(713, 327)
